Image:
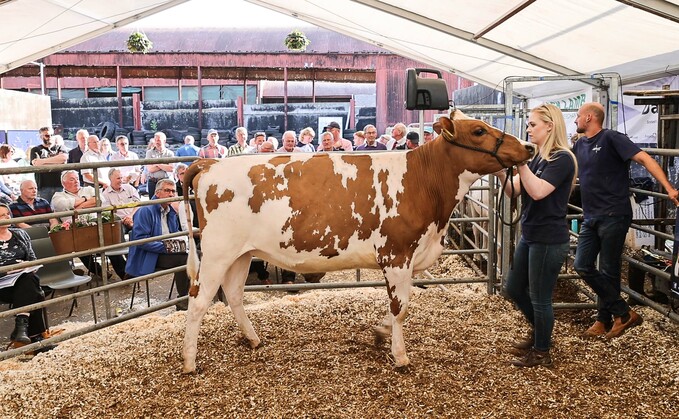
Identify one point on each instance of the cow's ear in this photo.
(444, 123)
(437, 128)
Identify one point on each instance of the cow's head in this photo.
(492, 148)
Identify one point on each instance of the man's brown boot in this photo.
(622, 323)
(598, 329)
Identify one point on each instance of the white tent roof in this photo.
(482, 40)
(32, 29)
(488, 40)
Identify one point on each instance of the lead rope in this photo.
(512, 204)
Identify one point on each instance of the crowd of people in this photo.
(600, 158)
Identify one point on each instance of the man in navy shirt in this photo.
(603, 158)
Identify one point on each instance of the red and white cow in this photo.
(330, 211)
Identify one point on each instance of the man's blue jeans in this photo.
(603, 236)
(530, 284)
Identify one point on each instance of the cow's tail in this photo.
(192, 262)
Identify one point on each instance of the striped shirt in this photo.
(22, 209)
(236, 149)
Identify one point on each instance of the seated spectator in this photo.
(274, 141)
(179, 205)
(340, 144)
(28, 204)
(412, 140)
(306, 138)
(428, 134)
(156, 220)
(257, 141)
(359, 139)
(289, 143)
(75, 197)
(213, 150)
(105, 149)
(120, 193)
(12, 181)
(6, 196)
(189, 149)
(240, 146)
(29, 327)
(156, 172)
(92, 155)
(132, 173)
(398, 137)
(371, 143)
(385, 139)
(267, 147)
(326, 142)
(47, 154)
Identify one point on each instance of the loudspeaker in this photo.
(425, 93)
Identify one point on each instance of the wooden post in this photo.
(200, 99)
(285, 98)
(119, 94)
(239, 111)
(136, 111)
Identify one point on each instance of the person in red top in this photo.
(212, 150)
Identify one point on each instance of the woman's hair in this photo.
(5, 150)
(557, 139)
(307, 131)
(9, 211)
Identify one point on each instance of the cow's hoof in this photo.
(403, 369)
(382, 333)
(189, 370)
(252, 344)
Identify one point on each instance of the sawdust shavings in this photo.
(319, 360)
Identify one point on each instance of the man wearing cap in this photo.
(212, 150)
(371, 143)
(339, 142)
(428, 134)
(412, 140)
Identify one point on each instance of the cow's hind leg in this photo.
(398, 288)
(210, 277)
(233, 286)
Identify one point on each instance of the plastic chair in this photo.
(58, 275)
(37, 232)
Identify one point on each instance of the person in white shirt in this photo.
(120, 193)
(131, 173)
(260, 137)
(289, 143)
(92, 155)
(398, 137)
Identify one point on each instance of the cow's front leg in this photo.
(398, 288)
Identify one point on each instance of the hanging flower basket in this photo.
(139, 42)
(296, 41)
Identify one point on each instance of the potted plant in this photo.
(139, 42)
(296, 41)
(82, 234)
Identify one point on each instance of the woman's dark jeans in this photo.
(530, 285)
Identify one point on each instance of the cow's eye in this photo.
(479, 132)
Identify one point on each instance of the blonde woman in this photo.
(105, 149)
(306, 138)
(545, 183)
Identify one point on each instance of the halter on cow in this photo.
(329, 211)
